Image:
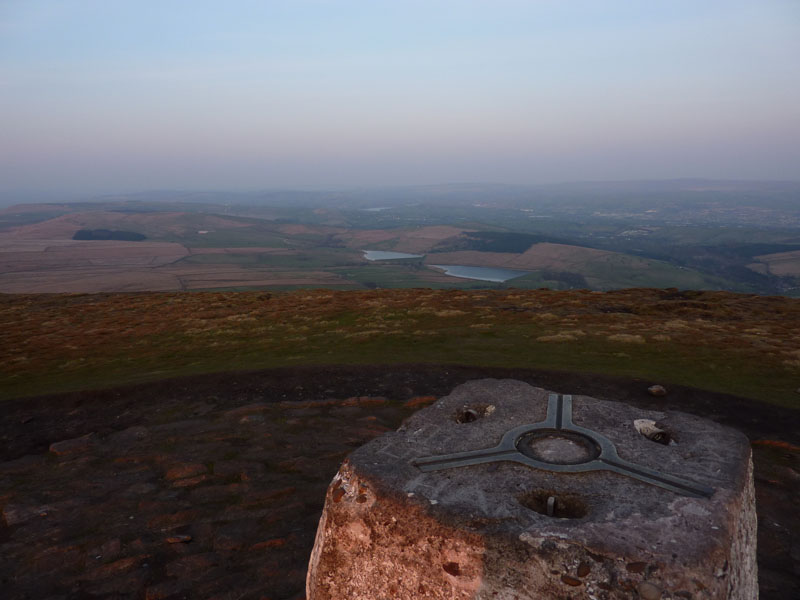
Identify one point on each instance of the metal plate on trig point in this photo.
(557, 444)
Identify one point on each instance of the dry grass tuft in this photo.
(558, 337)
(627, 338)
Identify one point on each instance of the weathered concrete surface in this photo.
(390, 531)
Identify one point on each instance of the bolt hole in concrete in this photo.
(554, 504)
(470, 414)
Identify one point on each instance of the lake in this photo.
(481, 273)
(381, 255)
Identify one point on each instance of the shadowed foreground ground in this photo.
(211, 487)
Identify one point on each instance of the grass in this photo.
(743, 345)
(318, 258)
(621, 271)
(393, 276)
(237, 238)
(534, 281)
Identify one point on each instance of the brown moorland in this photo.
(155, 223)
(413, 240)
(539, 256)
(739, 344)
(212, 486)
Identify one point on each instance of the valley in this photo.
(728, 239)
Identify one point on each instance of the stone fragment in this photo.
(419, 401)
(636, 567)
(112, 569)
(73, 446)
(500, 529)
(658, 391)
(14, 514)
(107, 551)
(570, 580)
(648, 591)
(365, 401)
(189, 481)
(179, 539)
(650, 429)
(173, 520)
(186, 470)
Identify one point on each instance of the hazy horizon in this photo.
(99, 97)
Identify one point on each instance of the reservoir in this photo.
(381, 255)
(480, 273)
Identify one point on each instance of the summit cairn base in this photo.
(506, 491)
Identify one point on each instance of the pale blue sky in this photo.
(119, 95)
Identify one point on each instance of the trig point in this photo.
(505, 491)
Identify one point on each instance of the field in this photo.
(780, 263)
(318, 242)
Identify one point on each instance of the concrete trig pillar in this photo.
(505, 491)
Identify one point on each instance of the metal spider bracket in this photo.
(598, 454)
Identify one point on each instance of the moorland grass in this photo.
(733, 343)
